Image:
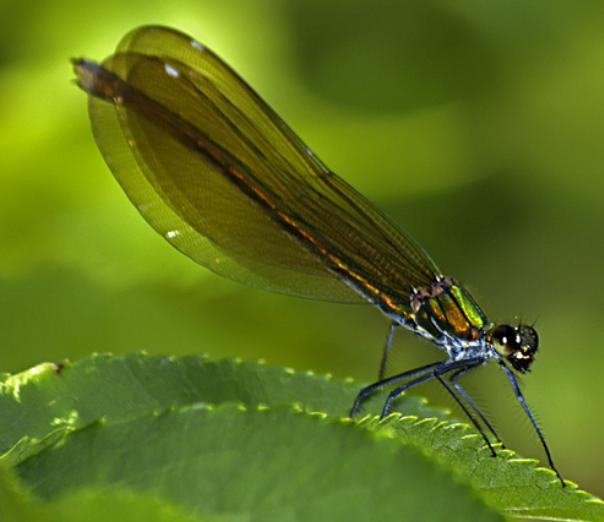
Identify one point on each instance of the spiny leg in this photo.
(467, 412)
(403, 387)
(512, 378)
(368, 390)
(467, 397)
(437, 369)
(393, 326)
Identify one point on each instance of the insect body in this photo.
(221, 177)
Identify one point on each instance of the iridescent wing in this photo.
(219, 175)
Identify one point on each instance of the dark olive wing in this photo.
(215, 171)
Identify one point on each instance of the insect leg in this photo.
(435, 370)
(512, 378)
(386, 351)
(466, 411)
(368, 390)
(453, 380)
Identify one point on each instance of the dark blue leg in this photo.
(472, 403)
(435, 370)
(467, 412)
(384, 360)
(368, 390)
(403, 387)
(512, 378)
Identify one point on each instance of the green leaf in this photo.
(510, 483)
(258, 464)
(38, 406)
(41, 402)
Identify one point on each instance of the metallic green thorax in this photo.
(448, 308)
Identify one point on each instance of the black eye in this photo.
(529, 338)
(505, 335)
(517, 344)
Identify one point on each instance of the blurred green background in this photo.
(476, 125)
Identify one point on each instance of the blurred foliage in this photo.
(476, 125)
(92, 505)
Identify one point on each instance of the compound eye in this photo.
(505, 334)
(506, 339)
(529, 339)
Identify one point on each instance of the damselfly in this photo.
(216, 172)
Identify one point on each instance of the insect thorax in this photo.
(447, 315)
